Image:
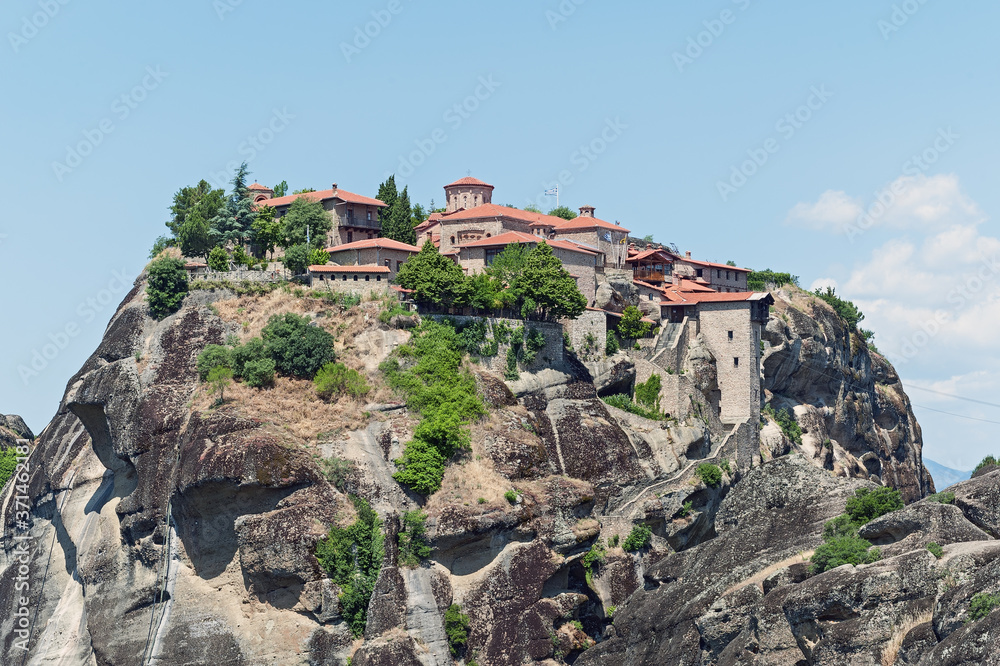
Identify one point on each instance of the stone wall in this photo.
(362, 284)
(593, 322)
(372, 257)
(734, 340)
(241, 275)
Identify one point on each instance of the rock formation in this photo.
(168, 530)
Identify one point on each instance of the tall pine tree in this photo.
(402, 220)
(387, 194)
(235, 221)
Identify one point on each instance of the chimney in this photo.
(687, 255)
(335, 188)
(587, 211)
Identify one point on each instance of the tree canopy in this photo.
(434, 278)
(564, 212)
(207, 201)
(268, 232)
(397, 218)
(281, 189)
(235, 220)
(304, 214)
(631, 325)
(167, 286)
(546, 289)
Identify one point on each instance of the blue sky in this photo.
(595, 94)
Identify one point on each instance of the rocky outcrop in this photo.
(856, 419)
(747, 596)
(172, 531)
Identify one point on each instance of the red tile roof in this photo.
(493, 210)
(666, 256)
(581, 223)
(714, 265)
(370, 268)
(195, 264)
(520, 237)
(715, 297)
(469, 180)
(382, 243)
(323, 195)
(258, 186)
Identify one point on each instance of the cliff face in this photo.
(169, 531)
(855, 417)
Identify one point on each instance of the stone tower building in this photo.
(467, 193)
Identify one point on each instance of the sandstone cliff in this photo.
(170, 531)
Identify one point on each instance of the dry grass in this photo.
(891, 651)
(469, 478)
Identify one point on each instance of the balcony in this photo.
(648, 275)
(353, 222)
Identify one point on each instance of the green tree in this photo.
(304, 190)
(531, 208)
(456, 626)
(195, 236)
(212, 357)
(160, 244)
(298, 349)
(420, 214)
(304, 215)
(545, 289)
(337, 379)
(297, 259)
(201, 197)
(759, 280)
(218, 259)
(241, 258)
(8, 464)
(564, 212)
(648, 393)
(710, 474)
(843, 550)
(867, 505)
(638, 538)
(319, 258)
(218, 379)
(412, 539)
(434, 278)
(166, 287)
(846, 309)
(397, 218)
(509, 264)
(610, 344)
(631, 325)
(281, 189)
(234, 221)
(268, 232)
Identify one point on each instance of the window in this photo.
(388, 263)
(369, 216)
(345, 277)
(651, 298)
(489, 235)
(727, 275)
(736, 362)
(718, 273)
(399, 264)
(350, 236)
(355, 278)
(452, 240)
(378, 278)
(699, 272)
(730, 336)
(368, 278)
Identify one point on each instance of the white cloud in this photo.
(834, 211)
(823, 283)
(909, 202)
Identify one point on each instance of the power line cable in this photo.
(961, 416)
(952, 395)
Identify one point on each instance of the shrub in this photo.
(613, 542)
(511, 374)
(8, 464)
(638, 538)
(611, 344)
(318, 258)
(724, 464)
(758, 280)
(259, 373)
(412, 539)
(166, 287)
(610, 611)
(337, 379)
(710, 474)
(982, 604)
(298, 349)
(786, 421)
(648, 393)
(218, 379)
(213, 356)
(843, 550)
(686, 509)
(352, 557)
(988, 461)
(337, 471)
(845, 309)
(623, 402)
(218, 259)
(841, 526)
(253, 349)
(867, 505)
(935, 550)
(594, 557)
(456, 626)
(942, 498)
(421, 467)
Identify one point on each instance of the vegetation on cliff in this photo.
(352, 557)
(841, 543)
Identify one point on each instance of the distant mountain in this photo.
(944, 476)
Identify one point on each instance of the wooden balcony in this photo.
(353, 222)
(648, 275)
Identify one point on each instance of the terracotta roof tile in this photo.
(580, 223)
(382, 243)
(469, 180)
(323, 195)
(521, 237)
